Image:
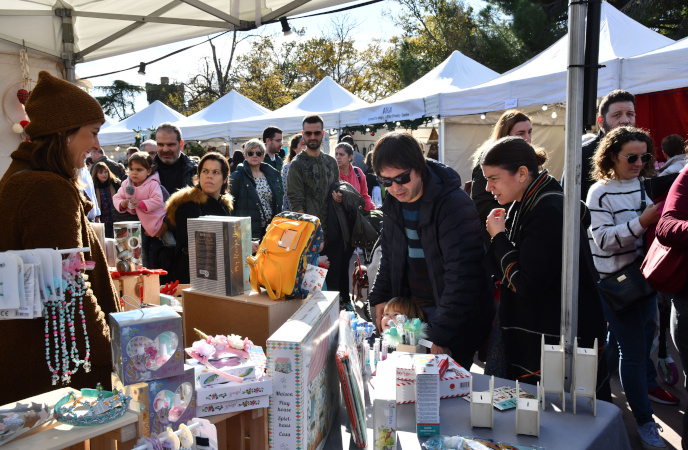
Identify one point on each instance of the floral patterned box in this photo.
(305, 384)
(146, 344)
(240, 404)
(224, 392)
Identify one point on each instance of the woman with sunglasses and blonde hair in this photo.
(255, 187)
(621, 214)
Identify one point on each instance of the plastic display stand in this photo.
(482, 411)
(584, 375)
(528, 414)
(552, 371)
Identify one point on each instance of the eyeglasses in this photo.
(402, 178)
(312, 133)
(645, 157)
(276, 140)
(251, 153)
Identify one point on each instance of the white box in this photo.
(245, 368)
(454, 383)
(385, 407)
(427, 395)
(220, 393)
(301, 362)
(217, 257)
(241, 404)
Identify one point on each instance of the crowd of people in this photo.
(445, 255)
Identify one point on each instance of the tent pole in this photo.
(440, 152)
(571, 229)
(67, 43)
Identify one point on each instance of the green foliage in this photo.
(118, 101)
(193, 148)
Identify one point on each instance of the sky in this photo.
(371, 20)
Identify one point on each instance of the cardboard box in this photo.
(250, 314)
(220, 393)
(427, 395)
(241, 404)
(385, 407)
(146, 344)
(172, 401)
(217, 254)
(454, 383)
(301, 361)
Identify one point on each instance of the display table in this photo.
(557, 430)
(121, 433)
(242, 430)
(250, 314)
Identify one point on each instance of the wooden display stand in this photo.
(131, 285)
(552, 371)
(243, 430)
(527, 414)
(482, 410)
(250, 314)
(584, 375)
(120, 434)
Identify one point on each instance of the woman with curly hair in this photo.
(624, 157)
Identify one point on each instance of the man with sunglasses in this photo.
(432, 248)
(616, 109)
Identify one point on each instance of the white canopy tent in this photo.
(539, 81)
(145, 120)
(326, 98)
(212, 121)
(542, 79)
(658, 70)
(109, 121)
(421, 98)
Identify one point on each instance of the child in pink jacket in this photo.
(146, 202)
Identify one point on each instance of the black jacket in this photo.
(587, 165)
(178, 175)
(242, 185)
(191, 203)
(450, 234)
(528, 260)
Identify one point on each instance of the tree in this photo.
(118, 101)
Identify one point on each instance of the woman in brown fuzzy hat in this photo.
(44, 208)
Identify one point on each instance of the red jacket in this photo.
(672, 229)
(359, 182)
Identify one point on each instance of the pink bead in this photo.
(54, 317)
(47, 335)
(83, 320)
(73, 338)
(54, 333)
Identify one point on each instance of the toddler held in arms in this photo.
(141, 194)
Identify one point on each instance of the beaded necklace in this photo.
(62, 314)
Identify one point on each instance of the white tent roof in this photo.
(212, 121)
(326, 98)
(421, 97)
(109, 121)
(146, 119)
(658, 70)
(109, 28)
(542, 79)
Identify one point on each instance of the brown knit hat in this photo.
(57, 105)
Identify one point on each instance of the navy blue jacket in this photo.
(451, 237)
(242, 186)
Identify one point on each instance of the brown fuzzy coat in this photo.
(44, 210)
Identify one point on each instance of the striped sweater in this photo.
(615, 234)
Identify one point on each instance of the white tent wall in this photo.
(658, 70)
(11, 73)
(464, 134)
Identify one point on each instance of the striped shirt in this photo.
(416, 267)
(615, 235)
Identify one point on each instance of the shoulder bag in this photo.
(627, 287)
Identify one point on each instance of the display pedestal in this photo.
(244, 430)
(131, 285)
(250, 314)
(121, 434)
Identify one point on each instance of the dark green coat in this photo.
(242, 186)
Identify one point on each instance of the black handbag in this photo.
(627, 287)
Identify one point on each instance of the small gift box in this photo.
(232, 390)
(241, 404)
(146, 344)
(172, 401)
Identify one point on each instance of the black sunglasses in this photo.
(402, 178)
(645, 157)
(251, 153)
